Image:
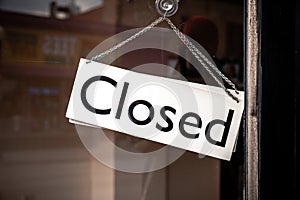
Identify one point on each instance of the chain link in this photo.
(121, 44)
(202, 59)
(214, 68)
(196, 53)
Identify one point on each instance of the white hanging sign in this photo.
(190, 116)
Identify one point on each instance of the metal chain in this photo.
(121, 44)
(187, 43)
(196, 53)
(214, 67)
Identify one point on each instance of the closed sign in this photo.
(195, 117)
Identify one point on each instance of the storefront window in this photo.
(41, 155)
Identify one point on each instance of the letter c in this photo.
(84, 90)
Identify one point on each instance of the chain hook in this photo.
(166, 8)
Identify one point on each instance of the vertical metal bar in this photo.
(251, 48)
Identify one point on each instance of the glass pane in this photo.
(41, 154)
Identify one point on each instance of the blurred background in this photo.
(41, 155)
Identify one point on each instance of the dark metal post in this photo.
(252, 46)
